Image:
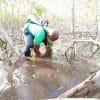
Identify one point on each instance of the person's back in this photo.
(36, 31)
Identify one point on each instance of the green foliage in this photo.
(39, 9)
(2, 1)
(49, 44)
(2, 43)
(36, 76)
(8, 20)
(14, 15)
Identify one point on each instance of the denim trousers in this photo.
(28, 38)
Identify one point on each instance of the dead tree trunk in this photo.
(88, 87)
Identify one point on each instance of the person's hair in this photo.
(53, 34)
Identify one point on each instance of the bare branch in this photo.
(72, 49)
(84, 88)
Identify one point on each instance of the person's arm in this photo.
(38, 54)
(48, 50)
(36, 50)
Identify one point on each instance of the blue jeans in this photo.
(28, 43)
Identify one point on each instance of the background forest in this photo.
(79, 18)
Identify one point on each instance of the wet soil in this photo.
(45, 78)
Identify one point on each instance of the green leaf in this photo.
(2, 43)
(36, 75)
(39, 9)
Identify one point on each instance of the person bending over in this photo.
(35, 34)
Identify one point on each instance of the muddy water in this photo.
(43, 78)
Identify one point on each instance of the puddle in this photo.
(42, 78)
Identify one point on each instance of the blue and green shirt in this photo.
(37, 31)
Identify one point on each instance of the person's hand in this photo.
(48, 50)
(37, 55)
(42, 56)
(47, 53)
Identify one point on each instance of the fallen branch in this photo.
(85, 40)
(4, 52)
(85, 88)
(73, 99)
(71, 51)
(10, 41)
